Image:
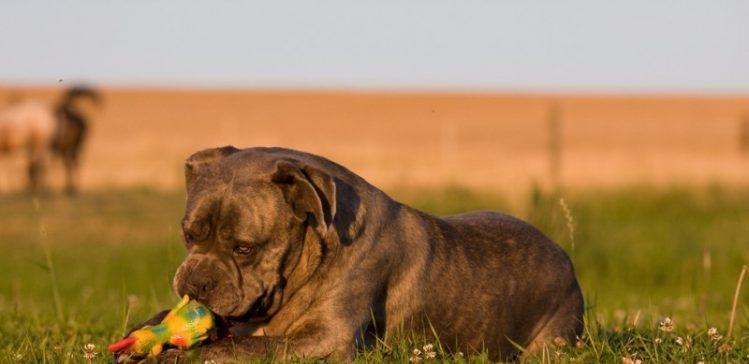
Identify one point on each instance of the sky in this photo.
(571, 45)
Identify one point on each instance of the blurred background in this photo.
(488, 95)
(620, 129)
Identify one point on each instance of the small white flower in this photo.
(714, 335)
(429, 351)
(666, 325)
(679, 341)
(658, 340)
(560, 341)
(18, 357)
(725, 348)
(631, 360)
(417, 352)
(89, 352)
(460, 354)
(414, 359)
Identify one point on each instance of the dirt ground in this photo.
(490, 141)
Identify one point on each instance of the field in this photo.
(140, 137)
(79, 271)
(654, 210)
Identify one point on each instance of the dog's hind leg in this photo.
(560, 329)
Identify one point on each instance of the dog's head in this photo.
(246, 218)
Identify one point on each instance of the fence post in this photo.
(555, 145)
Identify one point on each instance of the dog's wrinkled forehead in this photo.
(229, 195)
(240, 210)
(224, 171)
(264, 185)
(226, 164)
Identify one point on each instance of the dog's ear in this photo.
(309, 191)
(198, 162)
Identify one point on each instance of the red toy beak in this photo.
(121, 345)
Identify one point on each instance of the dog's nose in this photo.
(200, 288)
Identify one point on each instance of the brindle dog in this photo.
(315, 258)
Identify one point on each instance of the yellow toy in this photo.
(185, 325)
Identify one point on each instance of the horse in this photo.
(44, 131)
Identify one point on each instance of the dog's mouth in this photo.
(227, 326)
(261, 310)
(257, 316)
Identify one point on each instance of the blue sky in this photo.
(572, 45)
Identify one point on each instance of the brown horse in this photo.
(44, 131)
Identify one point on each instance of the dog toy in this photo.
(185, 325)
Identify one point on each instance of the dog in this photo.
(316, 260)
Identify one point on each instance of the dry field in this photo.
(487, 141)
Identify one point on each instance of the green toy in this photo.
(185, 325)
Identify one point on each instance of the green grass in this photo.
(77, 271)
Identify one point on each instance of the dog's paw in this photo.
(172, 356)
(130, 358)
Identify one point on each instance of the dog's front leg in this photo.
(241, 349)
(230, 349)
(226, 350)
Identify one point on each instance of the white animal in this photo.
(29, 126)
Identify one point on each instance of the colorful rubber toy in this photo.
(185, 325)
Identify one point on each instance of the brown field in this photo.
(489, 141)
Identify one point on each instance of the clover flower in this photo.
(666, 325)
(726, 347)
(714, 335)
(416, 357)
(559, 341)
(89, 352)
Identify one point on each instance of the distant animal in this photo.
(312, 257)
(44, 131)
(71, 131)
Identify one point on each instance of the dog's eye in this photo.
(242, 249)
(188, 237)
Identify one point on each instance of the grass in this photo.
(78, 271)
